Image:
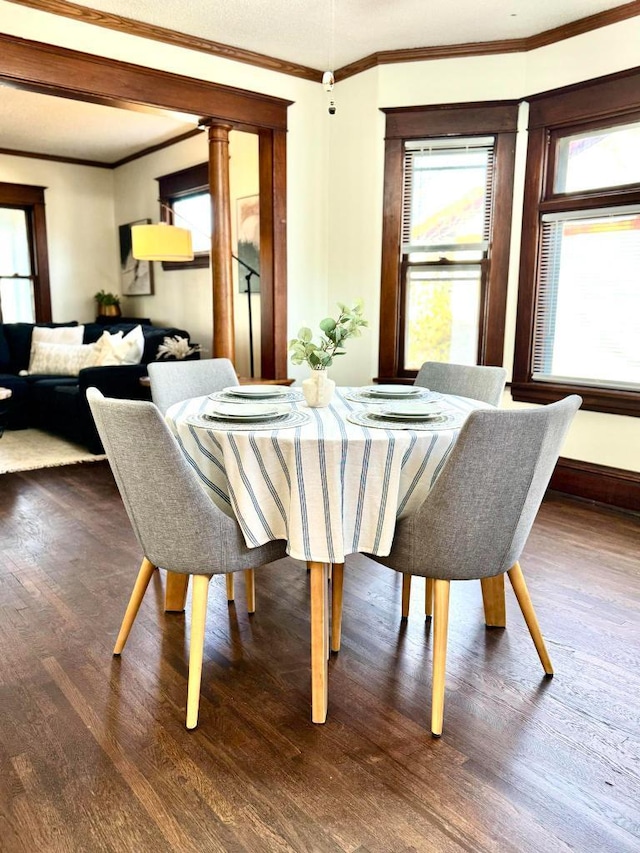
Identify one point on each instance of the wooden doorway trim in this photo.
(44, 68)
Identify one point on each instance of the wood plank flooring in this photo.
(94, 755)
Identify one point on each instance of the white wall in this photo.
(83, 251)
(335, 171)
(357, 205)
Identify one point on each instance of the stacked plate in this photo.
(257, 393)
(408, 411)
(245, 414)
(387, 393)
(394, 392)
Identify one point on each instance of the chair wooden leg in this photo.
(175, 595)
(440, 627)
(229, 581)
(250, 587)
(428, 598)
(495, 613)
(142, 582)
(336, 605)
(196, 646)
(406, 595)
(522, 594)
(319, 670)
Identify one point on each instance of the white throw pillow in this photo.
(59, 359)
(119, 349)
(58, 335)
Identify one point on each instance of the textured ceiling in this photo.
(323, 34)
(327, 34)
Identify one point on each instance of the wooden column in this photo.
(222, 278)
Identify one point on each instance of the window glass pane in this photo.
(588, 321)
(448, 196)
(14, 243)
(16, 294)
(599, 158)
(194, 212)
(16, 300)
(443, 310)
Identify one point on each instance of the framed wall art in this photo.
(248, 213)
(136, 277)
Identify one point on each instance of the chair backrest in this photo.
(174, 381)
(476, 519)
(478, 382)
(177, 524)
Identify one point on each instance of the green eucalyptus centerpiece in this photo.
(318, 389)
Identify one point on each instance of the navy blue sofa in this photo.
(58, 403)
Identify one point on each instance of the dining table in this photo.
(331, 481)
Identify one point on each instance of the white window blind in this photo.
(447, 194)
(587, 322)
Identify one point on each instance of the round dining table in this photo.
(330, 481)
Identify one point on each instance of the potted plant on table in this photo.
(108, 304)
(318, 388)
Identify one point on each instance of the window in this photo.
(186, 202)
(446, 236)
(24, 267)
(445, 229)
(578, 327)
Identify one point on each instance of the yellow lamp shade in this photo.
(161, 243)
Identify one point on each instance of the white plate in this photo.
(232, 412)
(256, 391)
(394, 391)
(408, 412)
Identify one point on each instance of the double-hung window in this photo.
(578, 324)
(24, 265)
(446, 235)
(447, 203)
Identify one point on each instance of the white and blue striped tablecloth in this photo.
(329, 487)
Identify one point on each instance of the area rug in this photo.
(28, 449)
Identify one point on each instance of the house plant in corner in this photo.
(108, 304)
(318, 388)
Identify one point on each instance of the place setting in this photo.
(408, 414)
(250, 416)
(377, 394)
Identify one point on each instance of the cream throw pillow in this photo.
(119, 349)
(59, 359)
(58, 335)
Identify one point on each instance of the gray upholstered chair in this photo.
(466, 380)
(177, 525)
(476, 381)
(476, 519)
(175, 381)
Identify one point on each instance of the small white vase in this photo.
(318, 389)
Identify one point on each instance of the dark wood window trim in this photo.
(595, 103)
(31, 200)
(497, 118)
(194, 179)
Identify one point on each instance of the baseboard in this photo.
(613, 486)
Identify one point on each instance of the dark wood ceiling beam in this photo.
(69, 73)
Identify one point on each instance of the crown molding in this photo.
(386, 57)
(173, 37)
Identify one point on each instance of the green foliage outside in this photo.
(430, 324)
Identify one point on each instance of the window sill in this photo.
(593, 399)
(199, 262)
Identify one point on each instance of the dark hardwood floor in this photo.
(94, 755)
